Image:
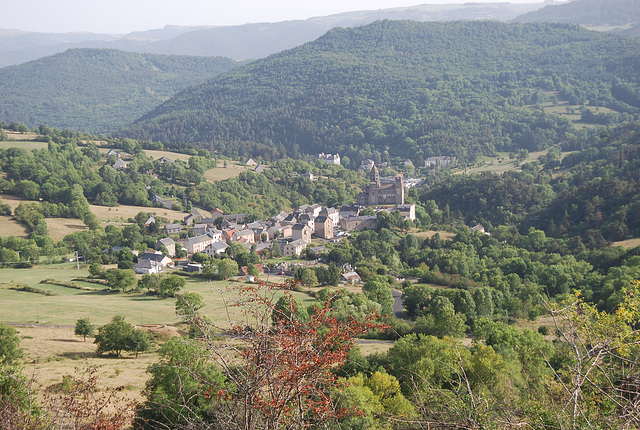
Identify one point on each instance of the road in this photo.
(398, 309)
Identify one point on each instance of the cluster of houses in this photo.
(212, 232)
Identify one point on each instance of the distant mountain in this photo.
(407, 89)
(617, 16)
(240, 42)
(97, 90)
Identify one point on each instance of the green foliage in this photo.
(219, 269)
(187, 304)
(121, 279)
(118, 336)
(170, 285)
(363, 91)
(180, 386)
(379, 291)
(83, 328)
(441, 320)
(288, 309)
(98, 90)
(9, 345)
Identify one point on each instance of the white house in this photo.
(216, 248)
(150, 262)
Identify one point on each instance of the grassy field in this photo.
(220, 173)
(429, 234)
(10, 227)
(28, 145)
(53, 352)
(629, 243)
(120, 214)
(60, 227)
(68, 304)
(46, 323)
(572, 112)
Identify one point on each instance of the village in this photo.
(213, 232)
(309, 226)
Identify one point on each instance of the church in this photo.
(381, 192)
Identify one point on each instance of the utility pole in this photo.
(77, 262)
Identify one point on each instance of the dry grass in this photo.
(120, 214)
(61, 227)
(629, 243)
(13, 201)
(10, 227)
(170, 155)
(221, 173)
(445, 235)
(16, 135)
(53, 352)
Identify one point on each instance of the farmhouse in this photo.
(216, 248)
(294, 248)
(150, 262)
(168, 243)
(173, 228)
(301, 232)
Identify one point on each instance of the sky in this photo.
(125, 16)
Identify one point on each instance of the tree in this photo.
(598, 361)
(283, 377)
(276, 252)
(379, 291)
(309, 277)
(187, 305)
(179, 392)
(121, 279)
(170, 285)
(83, 328)
(441, 320)
(9, 344)
(118, 336)
(227, 268)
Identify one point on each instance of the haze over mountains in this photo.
(239, 42)
(98, 90)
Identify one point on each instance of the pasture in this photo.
(69, 304)
(121, 214)
(627, 244)
(10, 227)
(60, 227)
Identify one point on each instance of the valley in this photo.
(416, 222)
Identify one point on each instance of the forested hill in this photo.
(407, 88)
(619, 16)
(97, 90)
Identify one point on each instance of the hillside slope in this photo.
(408, 89)
(617, 16)
(97, 90)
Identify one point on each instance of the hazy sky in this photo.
(124, 16)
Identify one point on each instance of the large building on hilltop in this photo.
(382, 193)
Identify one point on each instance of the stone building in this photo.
(382, 193)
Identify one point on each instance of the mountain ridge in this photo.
(97, 90)
(222, 40)
(408, 88)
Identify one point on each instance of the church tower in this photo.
(399, 185)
